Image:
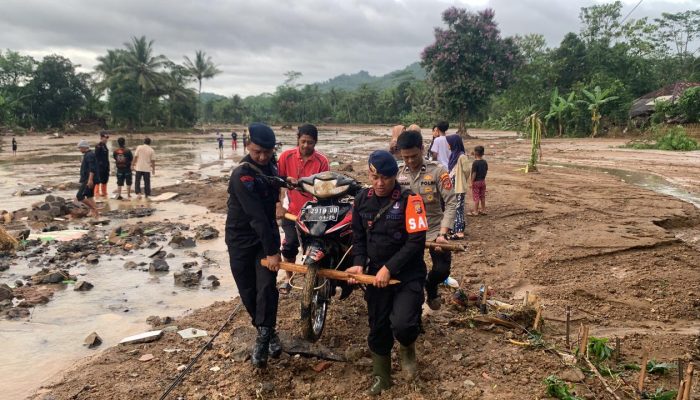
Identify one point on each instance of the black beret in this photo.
(262, 135)
(383, 163)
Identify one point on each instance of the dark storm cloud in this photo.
(255, 41)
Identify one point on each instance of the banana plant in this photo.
(594, 100)
(558, 106)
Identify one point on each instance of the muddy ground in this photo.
(624, 258)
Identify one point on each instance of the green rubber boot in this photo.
(407, 355)
(381, 369)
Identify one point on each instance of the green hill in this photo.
(354, 81)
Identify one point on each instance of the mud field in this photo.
(612, 233)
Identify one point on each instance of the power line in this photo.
(630, 13)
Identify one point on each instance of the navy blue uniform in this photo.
(394, 312)
(251, 235)
(88, 165)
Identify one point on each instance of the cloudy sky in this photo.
(255, 41)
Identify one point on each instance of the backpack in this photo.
(121, 159)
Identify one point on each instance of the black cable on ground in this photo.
(199, 354)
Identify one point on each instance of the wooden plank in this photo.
(330, 273)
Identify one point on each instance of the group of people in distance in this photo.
(95, 170)
(391, 222)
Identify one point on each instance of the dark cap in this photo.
(104, 134)
(262, 135)
(383, 163)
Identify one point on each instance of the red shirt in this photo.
(292, 164)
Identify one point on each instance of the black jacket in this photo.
(387, 242)
(251, 208)
(88, 165)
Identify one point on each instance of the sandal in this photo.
(455, 236)
(472, 214)
(285, 288)
(482, 213)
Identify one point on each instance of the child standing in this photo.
(477, 181)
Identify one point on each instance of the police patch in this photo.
(445, 181)
(248, 181)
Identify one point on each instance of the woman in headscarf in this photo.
(458, 166)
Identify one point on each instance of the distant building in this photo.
(644, 106)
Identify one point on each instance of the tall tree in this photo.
(108, 67)
(57, 92)
(469, 61)
(141, 65)
(202, 67)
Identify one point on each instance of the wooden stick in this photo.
(681, 390)
(568, 327)
(484, 297)
(583, 348)
(643, 372)
(526, 300)
(494, 320)
(538, 316)
(618, 349)
(330, 273)
(600, 377)
(688, 381)
(458, 248)
(680, 370)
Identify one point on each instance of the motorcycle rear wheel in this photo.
(314, 305)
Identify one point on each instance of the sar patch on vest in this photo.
(445, 181)
(415, 215)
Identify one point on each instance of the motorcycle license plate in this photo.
(325, 213)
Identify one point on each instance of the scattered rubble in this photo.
(178, 241)
(83, 286)
(145, 337)
(92, 340)
(158, 265)
(191, 333)
(188, 278)
(206, 232)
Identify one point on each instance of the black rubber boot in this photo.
(381, 369)
(407, 355)
(275, 346)
(261, 349)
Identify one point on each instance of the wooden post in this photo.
(680, 370)
(527, 298)
(538, 316)
(688, 381)
(568, 327)
(618, 349)
(583, 348)
(643, 372)
(484, 297)
(681, 387)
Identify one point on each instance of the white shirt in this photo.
(442, 149)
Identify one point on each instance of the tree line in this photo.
(475, 76)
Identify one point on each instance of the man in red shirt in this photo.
(299, 162)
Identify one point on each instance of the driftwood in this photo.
(600, 377)
(330, 273)
(688, 381)
(430, 245)
(498, 321)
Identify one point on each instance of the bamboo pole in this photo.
(458, 248)
(643, 372)
(600, 378)
(568, 328)
(538, 317)
(688, 381)
(330, 273)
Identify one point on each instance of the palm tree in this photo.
(558, 106)
(175, 87)
(108, 68)
(141, 65)
(596, 99)
(201, 68)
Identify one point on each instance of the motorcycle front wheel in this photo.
(314, 304)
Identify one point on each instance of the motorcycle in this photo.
(324, 226)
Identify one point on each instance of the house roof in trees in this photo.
(644, 105)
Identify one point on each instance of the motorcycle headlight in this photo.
(323, 189)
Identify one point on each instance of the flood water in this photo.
(51, 340)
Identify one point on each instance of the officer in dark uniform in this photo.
(389, 228)
(252, 234)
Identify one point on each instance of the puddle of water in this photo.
(117, 307)
(646, 180)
